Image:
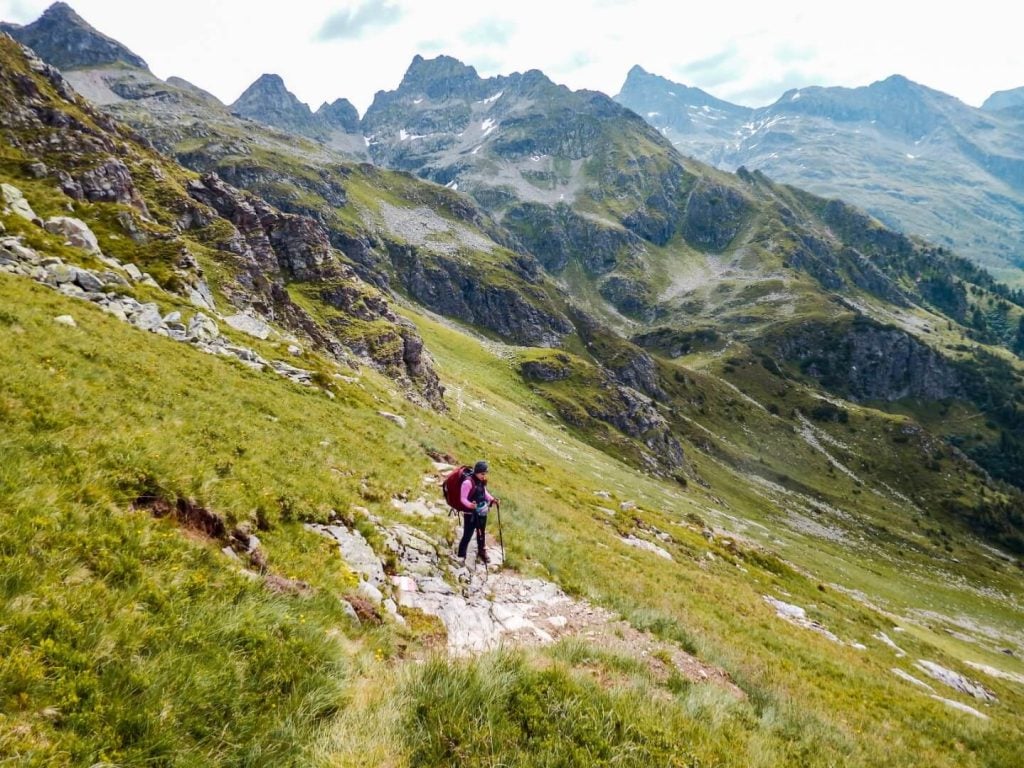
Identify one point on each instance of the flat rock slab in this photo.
(955, 680)
(647, 546)
(250, 325)
(794, 614)
(356, 552)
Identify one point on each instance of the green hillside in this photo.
(749, 530)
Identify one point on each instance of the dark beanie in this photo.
(481, 466)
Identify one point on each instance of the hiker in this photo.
(475, 501)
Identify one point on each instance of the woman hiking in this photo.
(475, 502)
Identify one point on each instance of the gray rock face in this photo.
(449, 287)
(15, 202)
(955, 680)
(108, 182)
(357, 554)
(64, 39)
(250, 325)
(871, 362)
(714, 215)
(339, 115)
(558, 235)
(76, 231)
(268, 101)
(1010, 99)
(202, 328)
(630, 296)
(546, 370)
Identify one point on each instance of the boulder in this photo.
(67, 320)
(201, 328)
(133, 272)
(249, 324)
(59, 274)
(76, 231)
(643, 544)
(15, 201)
(201, 296)
(399, 420)
(88, 281)
(147, 318)
(368, 591)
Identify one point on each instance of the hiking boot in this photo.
(482, 556)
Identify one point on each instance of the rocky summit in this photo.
(67, 41)
(758, 456)
(268, 101)
(1011, 99)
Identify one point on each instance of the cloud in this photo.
(489, 32)
(578, 60)
(433, 45)
(788, 53)
(19, 12)
(722, 67)
(768, 92)
(352, 23)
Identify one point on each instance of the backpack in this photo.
(452, 487)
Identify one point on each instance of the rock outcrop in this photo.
(268, 101)
(65, 40)
(278, 246)
(867, 361)
(557, 235)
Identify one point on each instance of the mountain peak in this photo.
(64, 39)
(339, 114)
(645, 91)
(269, 101)
(422, 72)
(1009, 99)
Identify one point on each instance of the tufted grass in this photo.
(176, 658)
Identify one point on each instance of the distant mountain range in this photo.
(560, 217)
(917, 159)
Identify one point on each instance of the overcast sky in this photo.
(746, 52)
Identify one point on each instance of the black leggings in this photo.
(472, 522)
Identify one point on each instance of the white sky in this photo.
(746, 52)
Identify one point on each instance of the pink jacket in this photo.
(464, 491)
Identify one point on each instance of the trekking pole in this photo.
(501, 538)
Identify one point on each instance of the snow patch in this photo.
(488, 125)
(404, 135)
(418, 101)
(492, 99)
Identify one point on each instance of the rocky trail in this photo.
(484, 608)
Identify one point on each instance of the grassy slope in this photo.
(134, 641)
(127, 640)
